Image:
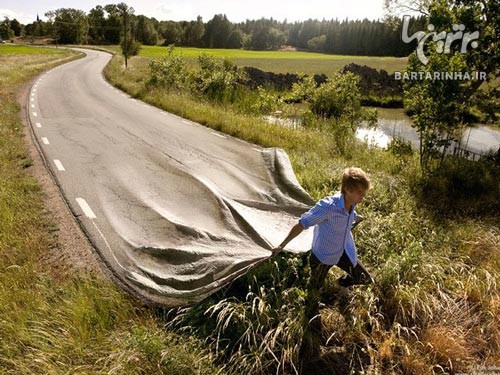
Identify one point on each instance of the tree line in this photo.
(104, 25)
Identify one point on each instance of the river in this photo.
(393, 122)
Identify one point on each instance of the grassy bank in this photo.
(78, 324)
(435, 305)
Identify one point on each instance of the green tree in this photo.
(145, 31)
(130, 47)
(70, 25)
(438, 106)
(171, 31)
(16, 27)
(113, 26)
(236, 39)
(317, 43)
(265, 37)
(5, 31)
(97, 21)
(193, 33)
(217, 32)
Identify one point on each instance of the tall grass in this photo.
(434, 306)
(75, 323)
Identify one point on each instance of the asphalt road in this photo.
(175, 209)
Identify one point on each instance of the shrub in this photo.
(463, 186)
(399, 147)
(338, 96)
(303, 90)
(169, 71)
(217, 79)
(266, 101)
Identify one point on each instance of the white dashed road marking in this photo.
(38, 125)
(86, 208)
(218, 135)
(59, 165)
(45, 141)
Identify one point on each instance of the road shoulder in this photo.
(72, 251)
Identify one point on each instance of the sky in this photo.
(25, 11)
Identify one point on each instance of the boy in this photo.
(333, 218)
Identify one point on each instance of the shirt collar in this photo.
(342, 203)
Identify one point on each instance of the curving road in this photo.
(173, 208)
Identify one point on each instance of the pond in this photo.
(393, 122)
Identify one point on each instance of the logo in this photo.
(443, 39)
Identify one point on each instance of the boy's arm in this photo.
(294, 232)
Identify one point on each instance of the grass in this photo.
(436, 273)
(72, 323)
(279, 61)
(6, 49)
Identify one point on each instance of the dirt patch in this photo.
(72, 252)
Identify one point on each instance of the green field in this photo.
(7, 49)
(280, 61)
(285, 61)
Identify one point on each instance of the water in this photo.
(393, 122)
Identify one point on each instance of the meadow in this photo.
(9, 49)
(279, 61)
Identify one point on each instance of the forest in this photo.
(104, 25)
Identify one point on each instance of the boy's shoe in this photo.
(340, 291)
(335, 293)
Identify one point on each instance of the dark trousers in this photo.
(356, 275)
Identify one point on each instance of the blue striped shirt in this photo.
(332, 229)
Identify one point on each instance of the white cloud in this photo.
(20, 16)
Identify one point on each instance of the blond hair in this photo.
(354, 177)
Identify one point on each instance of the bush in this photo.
(339, 96)
(266, 101)
(463, 186)
(399, 147)
(169, 71)
(132, 47)
(217, 79)
(303, 90)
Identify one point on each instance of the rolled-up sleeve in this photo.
(316, 214)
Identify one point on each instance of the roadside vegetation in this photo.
(431, 242)
(64, 323)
